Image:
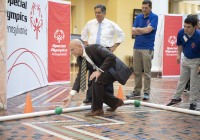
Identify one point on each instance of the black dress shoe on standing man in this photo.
(87, 100)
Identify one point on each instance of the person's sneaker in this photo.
(174, 101)
(185, 90)
(133, 95)
(146, 96)
(193, 107)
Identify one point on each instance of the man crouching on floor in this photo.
(101, 60)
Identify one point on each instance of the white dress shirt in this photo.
(111, 33)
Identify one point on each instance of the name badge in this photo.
(185, 38)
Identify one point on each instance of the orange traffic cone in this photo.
(28, 105)
(120, 94)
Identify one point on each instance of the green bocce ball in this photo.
(137, 103)
(58, 110)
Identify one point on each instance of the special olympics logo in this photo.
(36, 18)
(172, 40)
(59, 35)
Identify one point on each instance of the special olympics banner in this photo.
(58, 40)
(170, 50)
(26, 46)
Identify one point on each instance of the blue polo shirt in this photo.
(146, 41)
(191, 45)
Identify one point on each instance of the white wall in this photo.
(159, 7)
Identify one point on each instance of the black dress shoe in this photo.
(120, 103)
(87, 100)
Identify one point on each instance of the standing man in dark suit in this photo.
(102, 60)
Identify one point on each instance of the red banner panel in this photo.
(171, 27)
(58, 40)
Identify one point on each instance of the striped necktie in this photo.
(83, 75)
(98, 34)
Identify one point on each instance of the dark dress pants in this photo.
(100, 94)
(109, 87)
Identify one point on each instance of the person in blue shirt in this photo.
(187, 87)
(188, 42)
(144, 28)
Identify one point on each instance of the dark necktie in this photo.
(83, 75)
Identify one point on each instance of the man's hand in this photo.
(114, 47)
(95, 74)
(135, 31)
(66, 101)
(178, 59)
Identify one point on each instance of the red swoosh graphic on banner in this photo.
(34, 55)
(26, 65)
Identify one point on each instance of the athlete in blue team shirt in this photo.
(188, 41)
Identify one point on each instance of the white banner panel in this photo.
(26, 45)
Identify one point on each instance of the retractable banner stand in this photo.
(170, 50)
(58, 40)
(26, 46)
